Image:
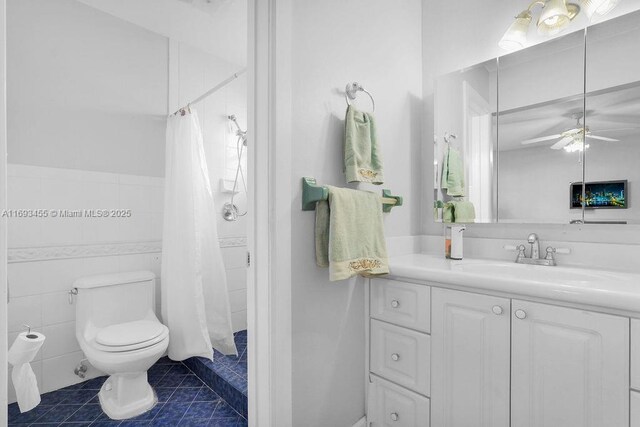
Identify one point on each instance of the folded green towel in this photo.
(464, 212)
(458, 211)
(453, 173)
(362, 161)
(350, 234)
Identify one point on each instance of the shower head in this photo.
(239, 132)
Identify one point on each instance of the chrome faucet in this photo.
(534, 258)
(535, 245)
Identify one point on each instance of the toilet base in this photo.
(125, 396)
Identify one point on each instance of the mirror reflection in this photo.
(464, 145)
(549, 134)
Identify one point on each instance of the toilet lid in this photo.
(126, 334)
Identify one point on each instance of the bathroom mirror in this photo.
(465, 145)
(564, 124)
(612, 118)
(540, 117)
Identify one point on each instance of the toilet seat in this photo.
(130, 336)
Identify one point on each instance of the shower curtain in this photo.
(195, 300)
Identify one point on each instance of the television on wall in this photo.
(600, 195)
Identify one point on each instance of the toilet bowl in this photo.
(121, 336)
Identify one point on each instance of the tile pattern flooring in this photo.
(183, 400)
(226, 375)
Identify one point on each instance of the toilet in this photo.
(121, 336)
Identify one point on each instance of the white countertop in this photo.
(597, 288)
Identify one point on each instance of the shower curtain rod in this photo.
(210, 91)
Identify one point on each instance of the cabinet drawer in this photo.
(393, 406)
(635, 409)
(635, 354)
(401, 355)
(401, 303)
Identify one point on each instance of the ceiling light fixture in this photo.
(556, 15)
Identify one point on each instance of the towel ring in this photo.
(352, 90)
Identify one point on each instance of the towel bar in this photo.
(312, 193)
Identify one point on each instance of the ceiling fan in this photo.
(571, 139)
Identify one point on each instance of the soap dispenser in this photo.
(457, 241)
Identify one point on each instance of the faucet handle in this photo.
(551, 251)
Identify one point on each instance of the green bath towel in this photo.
(362, 161)
(453, 173)
(350, 234)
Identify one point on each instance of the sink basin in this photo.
(535, 272)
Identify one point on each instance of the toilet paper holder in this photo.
(29, 334)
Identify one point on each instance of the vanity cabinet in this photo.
(635, 409)
(489, 361)
(470, 336)
(569, 367)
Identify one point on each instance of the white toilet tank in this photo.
(114, 298)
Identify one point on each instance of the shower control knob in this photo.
(497, 310)
(395, 357)
(394, 416)
(521, 314)
(395, 303)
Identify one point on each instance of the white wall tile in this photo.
(61, 231)
(24, 232)
(59, 274)
(238, 300)
(134, 262)
(57, 372)
(61, 194)
(239, 321)
(61, 339)
(236, 279)
(135, 197)
(24, 192)
(98, 265)
(25, 311)
(56, 308)
(99, 195)
(24, 278)
(234, 257)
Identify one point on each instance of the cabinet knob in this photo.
(521, 314)
(395, 303)
(497, 310)
(394, 416)
(395, 357)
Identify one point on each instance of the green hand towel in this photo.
(464, 212)
(350, 234)
(453, 173)
(362, 161)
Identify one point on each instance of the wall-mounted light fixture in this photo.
(555, 16)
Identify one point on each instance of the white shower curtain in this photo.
(195, 300)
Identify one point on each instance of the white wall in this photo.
(460, 33)
(85, 90)
(3, 223)
(376, 43)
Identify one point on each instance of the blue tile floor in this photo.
(183, 400)
(226, 375)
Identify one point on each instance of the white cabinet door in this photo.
(635, 354)
(570, 367)
(470, 336)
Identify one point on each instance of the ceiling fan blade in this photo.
(560, 144)
(616, 129)
(541, 139)
(603, 138)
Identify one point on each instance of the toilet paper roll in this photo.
(25, 348)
